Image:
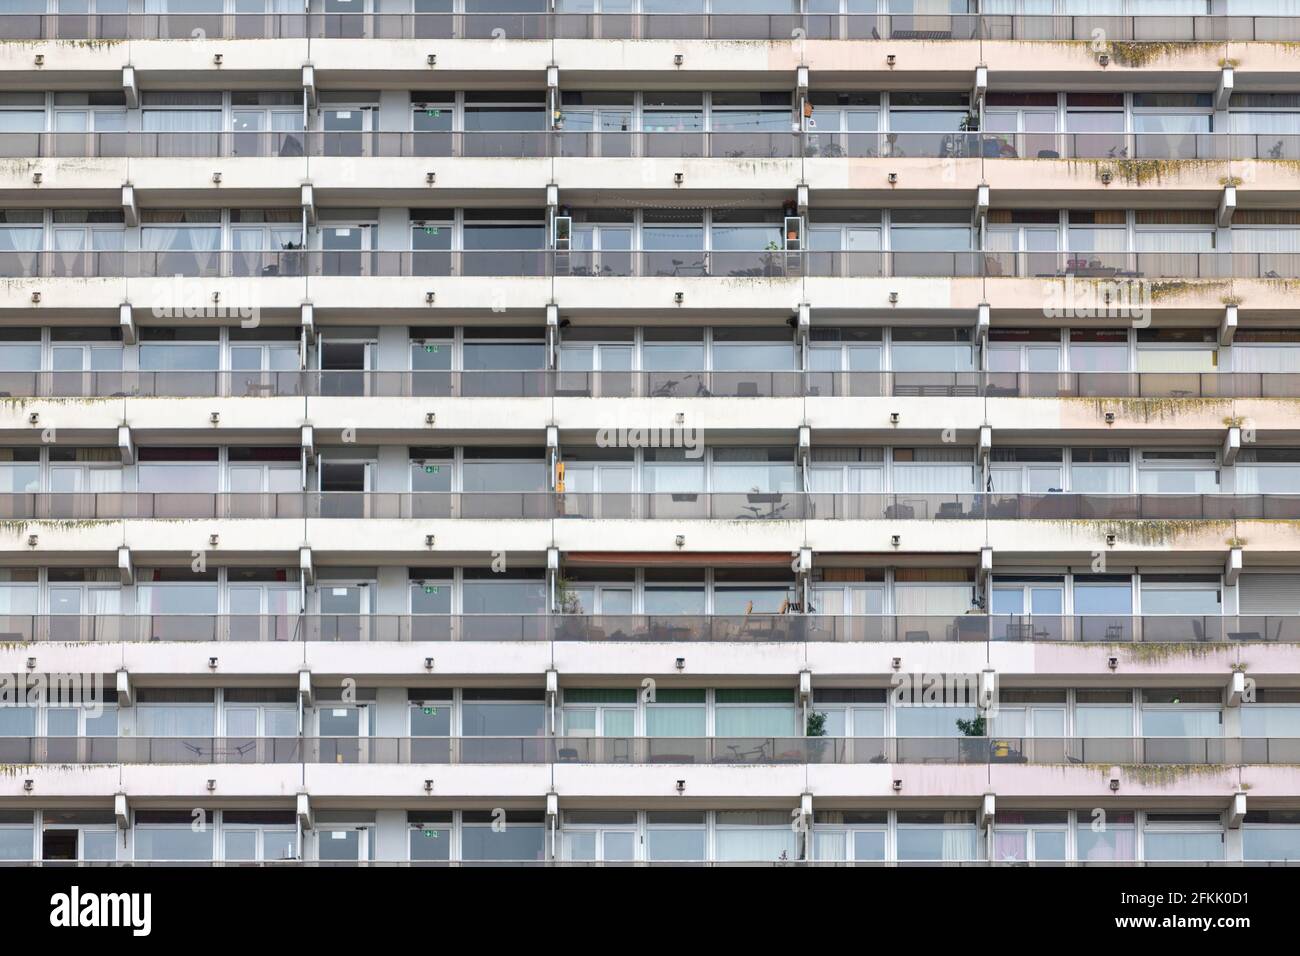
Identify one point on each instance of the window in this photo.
(429, 835)
(166, 350)
(1163, 594)
(749, 351)
(755, 836)
(1175, 350)
(934, 470)
(1271, 835)
(175, 713)
(20, 470)
(503, 713)
(597, 835)
(1182, 837)
(676, 712)
(1173, 713)
(521, 840)
(932, 350)
(170, 835)
(754, 470)
(1099, 471)
(1178, 472)
(1032, 471)
(1103, 714)
(258, 835)
(1267, 471)
(1030, 836)
(1101, 351)
(504, 469)
(17, 835)
(1105, 836)
(502, 594)
(950, 836)
(675, 836)
(850, 835)
(741, 712)
(599, 712)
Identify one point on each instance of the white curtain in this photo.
(1174, 240)
(1266, 358)
(1275, 239)
(934, 478)
(103, 601)
(20, 239)
(182, 121)
(1265, 122)
(937, 599)
(174, 720)
(181, 238)
(757, 844)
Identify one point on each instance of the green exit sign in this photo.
(431, 834)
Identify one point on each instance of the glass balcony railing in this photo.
(651, 628)
(542, 383)
(676, 264)
(524, 144)
(709, 864)
(725, 506)
(779, 26)
(735, 751)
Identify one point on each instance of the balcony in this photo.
(678, 264)
(574, 26)
(644, 628)
(542, 383)
(725, 751)
(721, 506)
(536, 144)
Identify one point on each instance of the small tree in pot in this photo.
(816, 728)
(975, 749)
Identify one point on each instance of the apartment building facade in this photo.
(698, 432)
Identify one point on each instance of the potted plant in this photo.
(816, 727)
(568, 604)
(975, 748)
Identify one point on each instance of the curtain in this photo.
(20, 239)
(181, 239)
(939, 599)
(934, 478)
(1113, 843)
(674, 721)
(664, 477)
(103, 601)
(1012, 845)
(168, 720)
(959, 844)
(1266, 240)
(1266, 358)
(757, 843)
(1282, 124)
(1189, 845)
(1174, 240)
(757, 721)
(829, 845)
(1202, 359)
